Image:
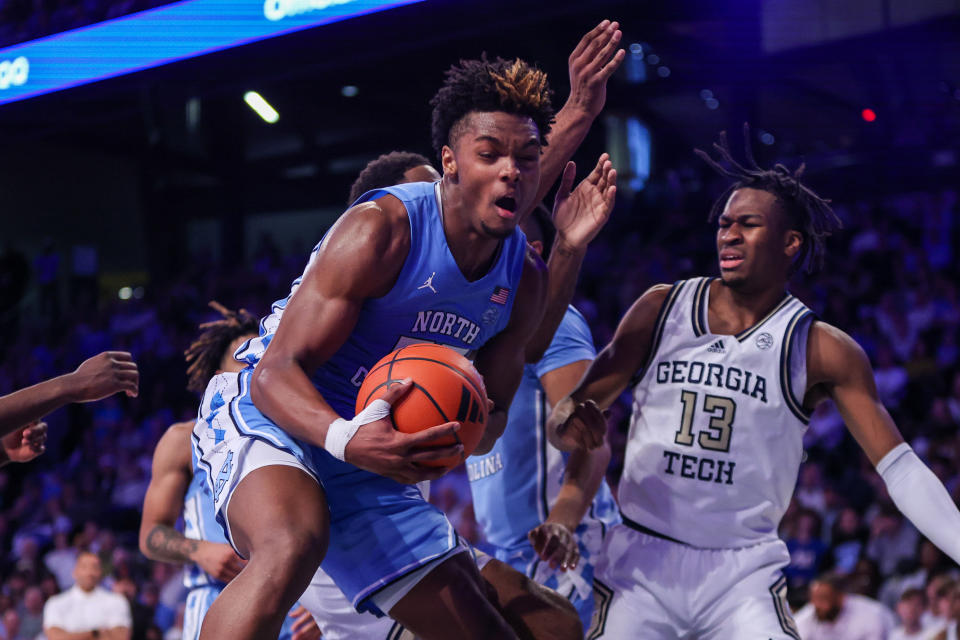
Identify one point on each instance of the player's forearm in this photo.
(922, 498)
(284, 393)
(563, 269)
(33, 403)
(557, 417)
(56, 633)
(582, 477)
(567, 133)
(165, 544)
(496, 424)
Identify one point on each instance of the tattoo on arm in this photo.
(169, 545)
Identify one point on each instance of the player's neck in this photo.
(733, 310)
(473, 251)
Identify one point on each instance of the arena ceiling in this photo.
(200, 149)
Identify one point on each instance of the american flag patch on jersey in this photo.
(500, 295)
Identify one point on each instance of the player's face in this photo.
(753, 245)
(495, 167)
(421, 173)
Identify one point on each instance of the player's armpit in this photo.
(501, 360)
(360, 258)
(837, 367)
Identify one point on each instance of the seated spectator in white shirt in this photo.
(953, 626)
(833, 614)
(910, 608)
(86, 610)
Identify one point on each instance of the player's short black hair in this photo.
(513, 86)
(205, 353)
(806, 212)
(385, 171)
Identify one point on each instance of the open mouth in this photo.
(730, 260)
(507, 206)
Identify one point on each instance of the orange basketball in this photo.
(446, 388)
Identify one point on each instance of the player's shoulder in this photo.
(646, 308)
(174, 448)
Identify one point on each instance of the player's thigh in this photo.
(630, 613)
(450, 602)
(754, 608)
(279, 510)
(533, 610)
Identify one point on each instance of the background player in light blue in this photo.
(178, 487)
(543, 511)
(361, 295)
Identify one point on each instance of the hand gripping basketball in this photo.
(380, 448)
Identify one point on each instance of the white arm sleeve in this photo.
(922, 498)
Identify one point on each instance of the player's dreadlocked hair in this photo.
(385, 171)
(512, 86)
(806, 212)
(205, 353)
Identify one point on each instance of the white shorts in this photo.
(232, 460)
(651, 588)
(337, 618)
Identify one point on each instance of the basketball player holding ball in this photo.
(725, 373)
(421, 262)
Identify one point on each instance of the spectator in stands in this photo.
(87, 610)
(833, 614)
(31, 613)
(910, 609)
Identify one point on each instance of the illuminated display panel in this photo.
(159, 36)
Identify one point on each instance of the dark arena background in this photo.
(137, 185)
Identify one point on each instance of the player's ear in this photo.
(793, 242)
(448, 162)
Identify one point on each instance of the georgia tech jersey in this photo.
(716, 434)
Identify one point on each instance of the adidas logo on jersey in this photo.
(717, 347)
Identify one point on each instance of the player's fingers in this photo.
(588, 38)
(430, 454)
(597, 172)
(566, 181)
(118, 356)
(572, 558)
(611, 66)
(535, 536)
(427, 436)
(609, 46)
(549, 552)
(397, 390)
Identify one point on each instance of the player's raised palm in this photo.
(578, 215)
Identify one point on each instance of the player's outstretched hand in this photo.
(26, 443)
(555, 544)
(584, 428)
(591, 64)
(219, 560)
(579, 215)
(304, 627)
(104, 375)
(378, 446)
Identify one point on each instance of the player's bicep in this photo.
(360, 258)
(617, 364)
(840, 365)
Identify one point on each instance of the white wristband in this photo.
(341, 431)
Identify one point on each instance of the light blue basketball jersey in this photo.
(200, 523)
(430, 302)
(381, 530)
(515, 484)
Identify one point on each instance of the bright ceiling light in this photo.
(261, 106)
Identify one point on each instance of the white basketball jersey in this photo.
(716, 434)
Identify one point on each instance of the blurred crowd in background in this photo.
(890, 280)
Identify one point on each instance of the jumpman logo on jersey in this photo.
(429, 283)
(225, 472)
